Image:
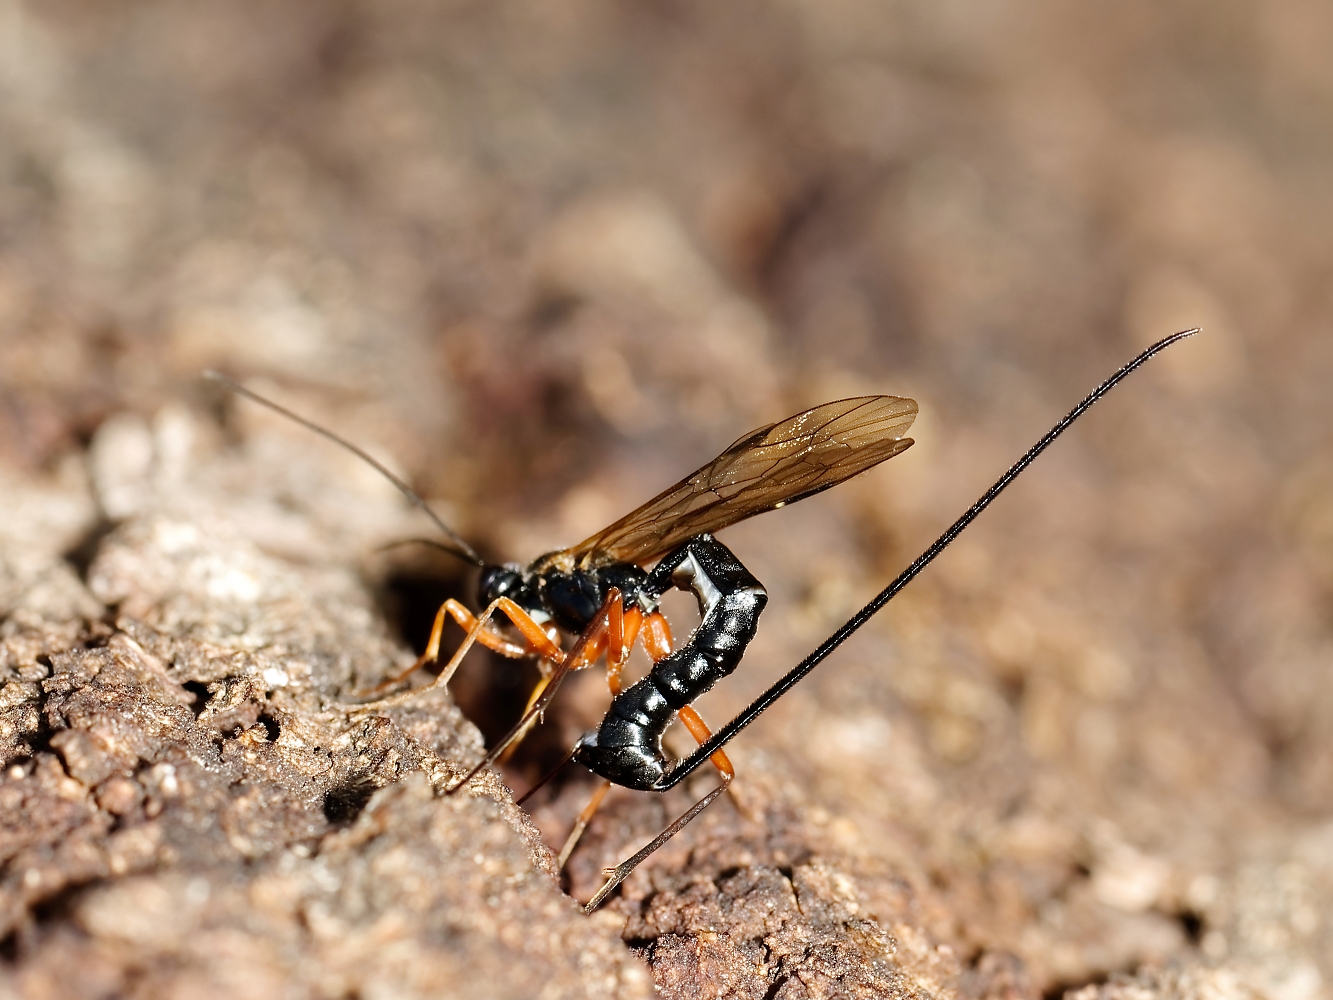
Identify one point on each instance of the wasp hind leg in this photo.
(699, 730)
(623, 629)
(656, 636)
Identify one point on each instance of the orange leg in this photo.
(592, 649)
(468, 621)
(589, 654)
(544, 645)
(615, 638)
(586, 650)
(657, 636)
(541, 642)
(538, 638)
(623, 629)
(699, 730)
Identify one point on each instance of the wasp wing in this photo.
(768, 468)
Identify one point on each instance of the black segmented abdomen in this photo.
(627, 747)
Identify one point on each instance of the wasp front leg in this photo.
(453, 609)
(543, 645)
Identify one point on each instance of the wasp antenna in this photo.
(433, 543)
(459, 547)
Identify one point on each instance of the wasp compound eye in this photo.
(497, 581)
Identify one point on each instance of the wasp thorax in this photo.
(573, 598)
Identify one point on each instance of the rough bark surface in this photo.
(192, 806)
(545, 258)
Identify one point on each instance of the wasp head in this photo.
(499, 581)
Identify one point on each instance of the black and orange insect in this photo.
(605, 592)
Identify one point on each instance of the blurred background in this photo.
(551, 257)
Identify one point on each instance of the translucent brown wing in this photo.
(768, 468)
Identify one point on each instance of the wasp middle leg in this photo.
(585, 651)
(613, 634)
(656, 636)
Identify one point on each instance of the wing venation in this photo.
(767, 468)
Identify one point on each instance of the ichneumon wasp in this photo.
(605, 592)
